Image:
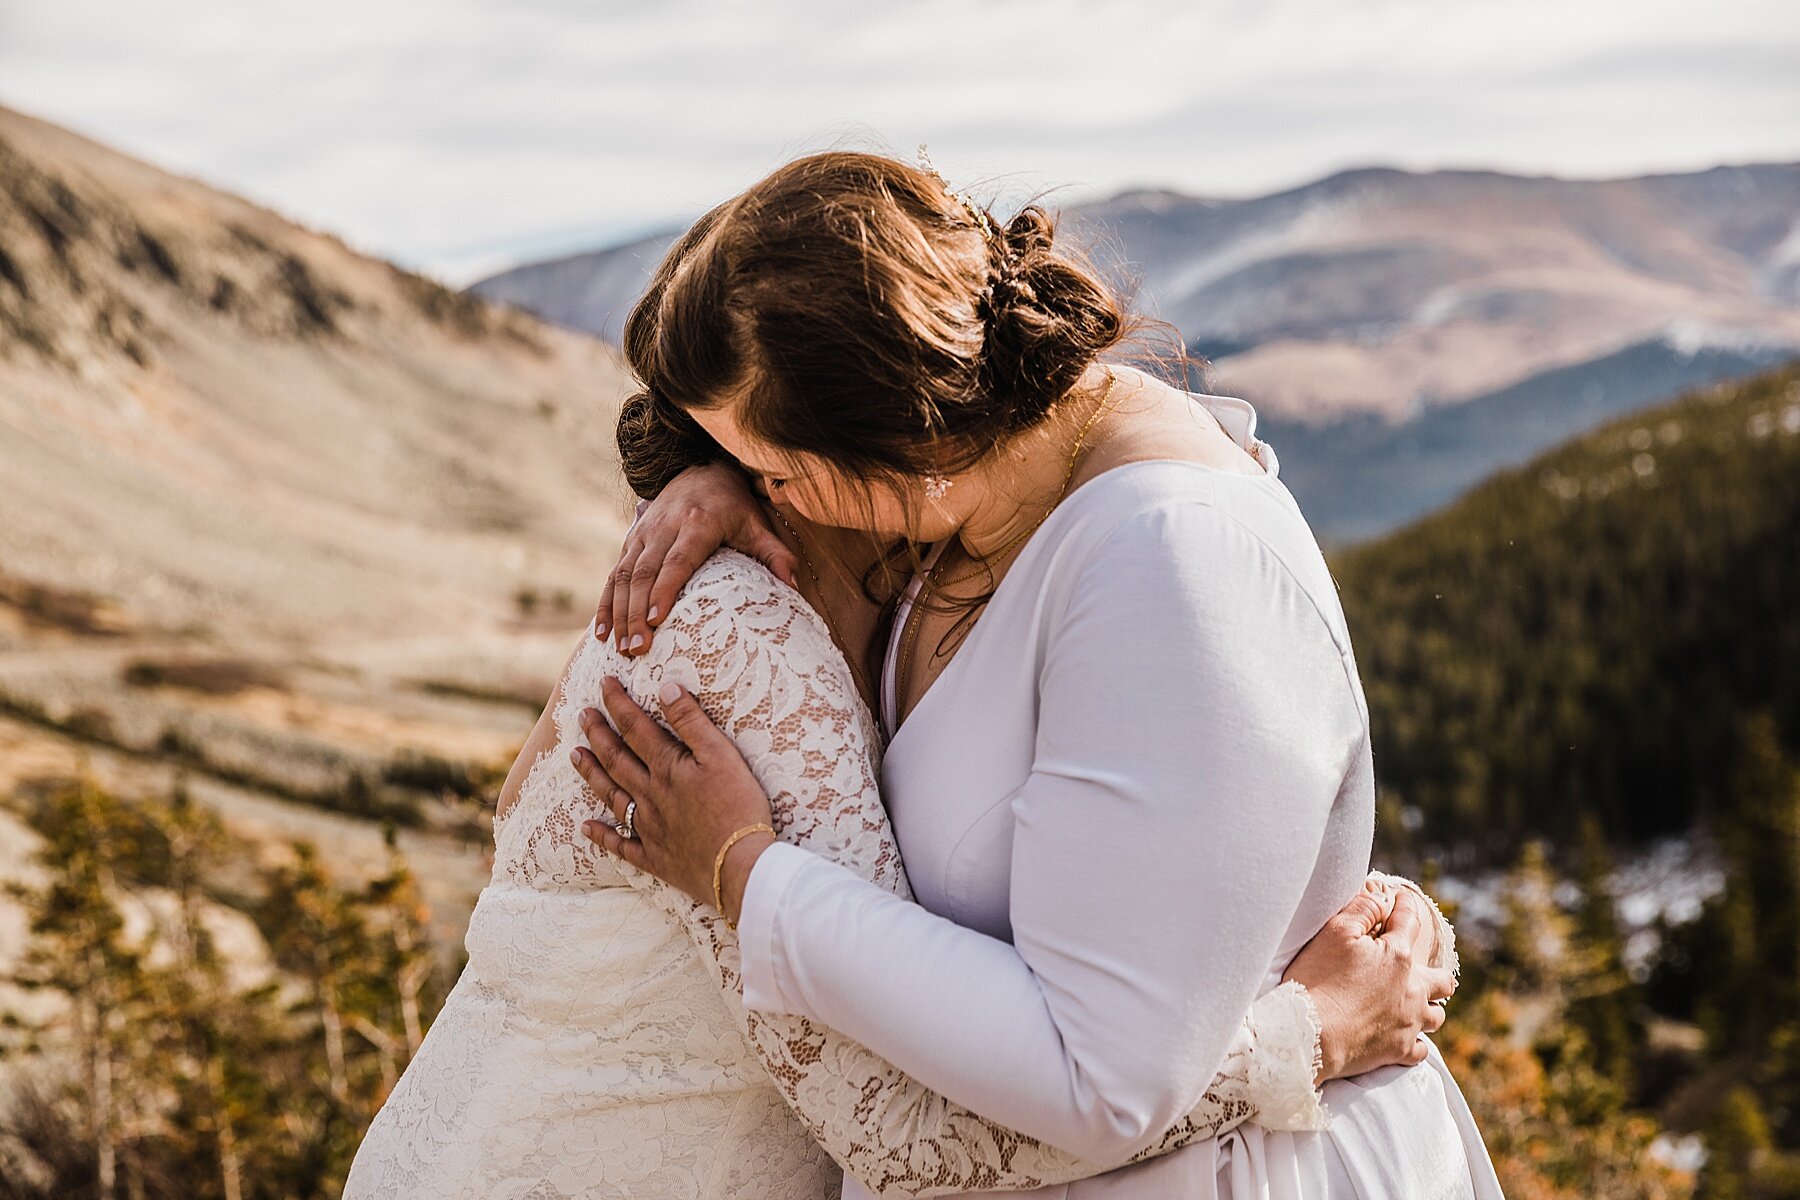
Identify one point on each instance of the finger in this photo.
(608, 839)
(613, 798)
(759, 542)
(1362, 916)
(1440, 983)
(617, 800)
(645, 738)
(691, 549)
(643, 577)
(603, 610)
(704, 740)
(620, 581)
(610, 753)
(595, 776)
(644, 825)
(1406, 925)
(1379, 886)
(1430, 917)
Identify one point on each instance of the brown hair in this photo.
(863, 315)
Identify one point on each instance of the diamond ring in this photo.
(626, 828)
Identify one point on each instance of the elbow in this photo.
(1118, 1122)
(1109, 1142)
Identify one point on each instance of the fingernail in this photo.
(670, 693)
(600, 630)
(654, 613)
(585, 717)
(575, 757)
(637, 639)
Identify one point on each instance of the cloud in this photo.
(458, 134)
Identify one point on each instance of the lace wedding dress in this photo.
(596, 1045)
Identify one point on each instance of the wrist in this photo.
(734, 874)
(1331, 1059)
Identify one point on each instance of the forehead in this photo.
(754, 453)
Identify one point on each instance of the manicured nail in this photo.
(637, 639)
(575, 758)
(670, 693)
(600, 631)
(585, 717)
(654, 613)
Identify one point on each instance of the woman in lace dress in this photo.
(1145, 782)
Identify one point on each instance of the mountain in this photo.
(592, 291)
(1359, 477)
(1592, 632)
(1381, 291)
(1387, 292)
(1403, 334)
(308, 527)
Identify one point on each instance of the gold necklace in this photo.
(862, 680)
(910, 635)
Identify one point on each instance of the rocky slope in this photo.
(315, 530)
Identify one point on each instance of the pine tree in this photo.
(79, 949)
(1603, 1000)
(205, 1016)
(1737, 1141)
(395, 995)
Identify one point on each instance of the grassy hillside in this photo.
(1588, 633)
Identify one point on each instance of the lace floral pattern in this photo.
(585, 1051)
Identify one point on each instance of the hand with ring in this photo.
(676, 800)
(1380, 980)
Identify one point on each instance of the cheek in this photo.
(846, 507)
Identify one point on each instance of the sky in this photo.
(461, 136)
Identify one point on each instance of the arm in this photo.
(1113, 1008)
(738, 643)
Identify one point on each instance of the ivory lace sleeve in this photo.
(763, 665)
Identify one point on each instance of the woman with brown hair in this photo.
(585, 1051)
(1128, 764)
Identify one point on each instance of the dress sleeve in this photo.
(1196, 723)
(765, 669)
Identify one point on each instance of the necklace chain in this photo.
(910, 636)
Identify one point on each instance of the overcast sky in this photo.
(459, 136)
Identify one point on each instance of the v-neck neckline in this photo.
(967, 648)
(1237, 419)
(888, 697)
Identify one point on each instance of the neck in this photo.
(1024, 477)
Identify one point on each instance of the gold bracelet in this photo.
(719, 863)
